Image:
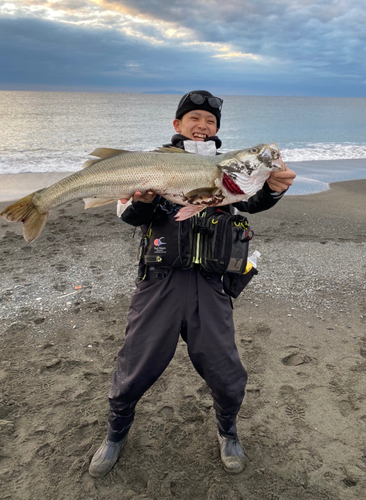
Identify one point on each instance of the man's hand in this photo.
(280, 181)
(147, 197)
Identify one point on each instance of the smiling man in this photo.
(175, 296)
(197, 120)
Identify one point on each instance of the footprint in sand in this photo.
(295, 408)
(190, 411)
(253, 392)
(44, 451)
(166, 412)
(296, 359)
(295, 412)
(346, 407)
(152, 457)
(155, 430)
(204, 398)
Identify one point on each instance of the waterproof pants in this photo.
(166, 304)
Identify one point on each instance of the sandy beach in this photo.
(300, 331)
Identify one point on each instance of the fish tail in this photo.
(27, 212)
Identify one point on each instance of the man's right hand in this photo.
(147, 197)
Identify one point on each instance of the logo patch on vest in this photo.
(159, 245)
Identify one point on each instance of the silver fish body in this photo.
(184, 178)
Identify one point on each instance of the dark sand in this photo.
(300, 332)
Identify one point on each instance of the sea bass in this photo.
(184, 178)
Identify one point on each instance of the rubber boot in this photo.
(107, 455)
(231, 453)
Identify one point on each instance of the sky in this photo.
(232, 47)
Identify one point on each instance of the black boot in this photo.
(107, 455)
(231, 453)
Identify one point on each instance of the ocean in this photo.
(322, 139)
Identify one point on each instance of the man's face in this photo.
(197, 125)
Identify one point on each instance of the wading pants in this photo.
(166, 304)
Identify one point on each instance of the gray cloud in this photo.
(42, 52)
(330, 33)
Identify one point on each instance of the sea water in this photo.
(322, 139)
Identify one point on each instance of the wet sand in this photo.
(300, 330)
(13, 186)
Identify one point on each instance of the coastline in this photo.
(300, 331)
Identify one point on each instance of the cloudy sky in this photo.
(244, 47)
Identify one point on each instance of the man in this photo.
(174, 296)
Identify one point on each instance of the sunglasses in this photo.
(214, 102)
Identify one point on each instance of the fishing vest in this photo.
(214, 240)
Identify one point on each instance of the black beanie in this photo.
(186, 105)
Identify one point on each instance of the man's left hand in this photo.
(280, 181)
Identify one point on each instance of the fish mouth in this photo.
(271, 158)
(198, 136)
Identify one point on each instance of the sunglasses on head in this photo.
(214, 102)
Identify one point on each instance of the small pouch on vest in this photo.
(225, 243)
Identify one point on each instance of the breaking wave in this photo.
(324, 151)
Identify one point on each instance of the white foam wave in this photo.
(324, 151)
(307, 185)
(50, 161)
(308, 180)
(71, 160)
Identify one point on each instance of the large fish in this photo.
(184, 178)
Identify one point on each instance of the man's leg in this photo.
(212, 349)
(152, 333)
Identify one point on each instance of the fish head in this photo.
(245, 170)
(265, 157)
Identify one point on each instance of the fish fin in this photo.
(25, 211)
(201, 194)
(121, 207)
(97, 202)
(104, 153)
(89, 163)
(166, 149)
(189, 211)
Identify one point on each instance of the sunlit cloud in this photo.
(101, 14)
(225, 51)
(236, 55)
(229, 53)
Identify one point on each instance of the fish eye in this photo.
(254, 150)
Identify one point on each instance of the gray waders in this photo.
(166, 304)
